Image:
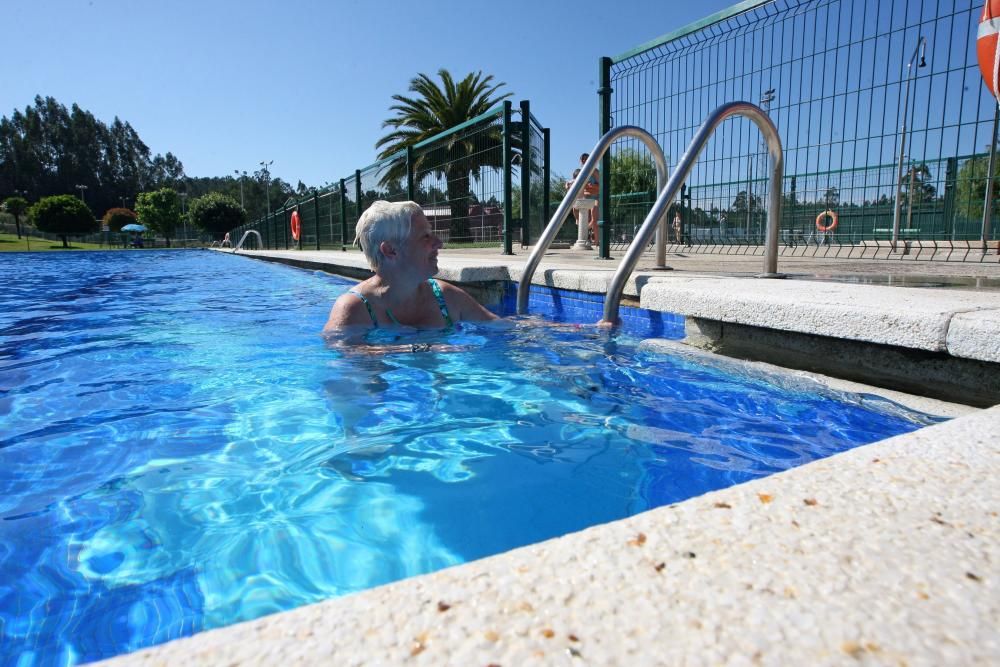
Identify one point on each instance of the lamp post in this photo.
(765, 103)
(910, 74)
(264, 164)
(184, 197)
(82, 189)
(240, 176)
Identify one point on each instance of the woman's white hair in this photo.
(384, 221)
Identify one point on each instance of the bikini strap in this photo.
(442, 306)
(368, 306)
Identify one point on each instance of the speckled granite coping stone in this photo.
(975, 335)
(916, 318)
(886, 554)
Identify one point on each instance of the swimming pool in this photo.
(181, 451)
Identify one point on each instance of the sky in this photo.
(224, 85)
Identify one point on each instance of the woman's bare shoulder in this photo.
(348, 311)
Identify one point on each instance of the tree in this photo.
(48, 149)
(923, 187)
(432, 110)
(63, 215)
(217, 213)
(116, 218)
(632, 171)
(16, 206)
(970, 189)
(160, 211)
(831, 198)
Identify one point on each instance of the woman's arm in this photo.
(462, 307)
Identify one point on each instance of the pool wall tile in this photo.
(561, 305)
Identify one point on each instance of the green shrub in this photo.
(217, 213)
(62, 215)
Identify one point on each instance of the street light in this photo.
(239, 176)
(267, 183)
(765, 103)
(82, 189)
(910, 74)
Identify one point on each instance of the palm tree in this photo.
(432, 110)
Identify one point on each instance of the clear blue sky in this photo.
(225, 84)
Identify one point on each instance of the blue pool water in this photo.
(180, 450)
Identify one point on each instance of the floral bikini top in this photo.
(442, 306)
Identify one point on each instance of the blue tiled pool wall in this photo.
(562, 305)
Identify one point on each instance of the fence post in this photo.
(546, 174)
(410, 189)
(302, 227)
(988, 199)
(604, 111)
(508, 240)
(343, 216)
(357, 192)
(525, 172)
(284, 226)
(316, 215)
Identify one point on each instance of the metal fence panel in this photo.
(837, 77)
(458, 180)
(457, 177)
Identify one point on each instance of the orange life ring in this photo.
(820, 227)
(296, 225)
(986, 45)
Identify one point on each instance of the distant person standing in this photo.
(592, 190)
(676, 227)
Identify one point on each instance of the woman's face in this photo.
(420, 251)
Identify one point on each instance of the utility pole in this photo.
(910, 75)
(184, 197)
(264, 164)
(765, 103)
(241, 176)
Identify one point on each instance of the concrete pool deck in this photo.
(885, 554)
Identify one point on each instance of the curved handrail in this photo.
(701, 137)
(244, 238)
(551, 229)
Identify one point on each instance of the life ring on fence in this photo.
(296, 226)
(986, 45)
(820, 227)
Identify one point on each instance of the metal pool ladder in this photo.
(663, 201)
(244, 238)
(552, 228)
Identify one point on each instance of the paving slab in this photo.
(914, 318)
(975, 335)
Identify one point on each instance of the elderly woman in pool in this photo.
(402, 250)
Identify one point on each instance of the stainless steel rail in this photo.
(684, 166)
(552, 228)
(244, 238)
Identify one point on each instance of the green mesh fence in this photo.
(458, 180)
(458, 177)
(837, 77)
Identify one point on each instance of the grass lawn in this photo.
(10, 243)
